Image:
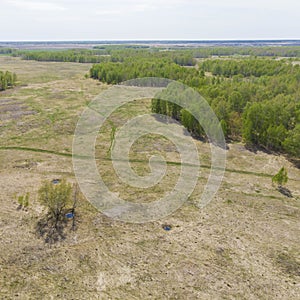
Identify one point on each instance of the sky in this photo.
(33, 20)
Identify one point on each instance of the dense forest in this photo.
(256, 99)
(7, 80)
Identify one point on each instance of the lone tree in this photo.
(280, 178)
(56, 197)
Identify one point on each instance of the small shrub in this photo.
(20, 200)
(281, 177)
(26, 200)
(23, 200)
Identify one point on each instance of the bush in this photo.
(23, 200)
(56, 197)
(281, 177)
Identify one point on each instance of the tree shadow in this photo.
(204, 139)
(256, 148)
(285, 191)
(294, 161)
(50, 230)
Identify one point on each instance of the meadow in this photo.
(243, 245)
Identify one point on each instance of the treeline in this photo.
(179, 57)
(276, 51)
(78, 56)
(121, 47)
(256, 100)
(6, 50)
(245, 67)
(103, 54)
(113, 73)
(119, 53)
(205, 52)
(182, 58)
(7, 80)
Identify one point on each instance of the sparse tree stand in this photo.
(56, 197)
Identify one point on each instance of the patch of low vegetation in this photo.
(288, 264)
(7, 80)
(23, 200)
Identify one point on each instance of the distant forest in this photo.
(117, 53)
(254, 91)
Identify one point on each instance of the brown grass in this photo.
(243, 245)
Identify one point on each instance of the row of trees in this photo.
(7, 80)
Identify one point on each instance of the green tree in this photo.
(56, 197)
(281, 177)
(236, 102)
(7, 80)
(292, 143)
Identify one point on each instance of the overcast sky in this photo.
(148, 19)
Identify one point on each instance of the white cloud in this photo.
(108, 12)
(253, 4)
(114, 7)
(34, 5)
(149, 19)
(124, 8)
(142, 7)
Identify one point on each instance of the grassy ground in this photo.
(243, 245)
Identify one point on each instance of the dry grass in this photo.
(243, 245)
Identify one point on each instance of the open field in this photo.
(243, 245)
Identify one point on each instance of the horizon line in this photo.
(155, 40)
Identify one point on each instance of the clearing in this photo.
(243, 245)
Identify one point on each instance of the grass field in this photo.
(243, 245)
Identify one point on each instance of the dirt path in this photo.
(137, 161)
